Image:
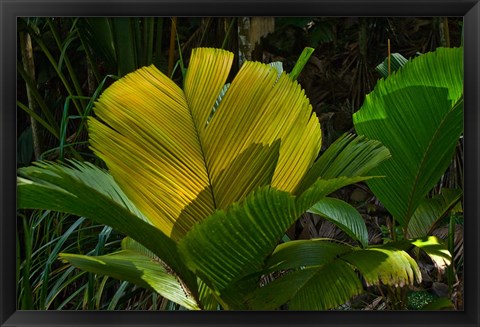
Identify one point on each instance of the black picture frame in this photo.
(10, 10)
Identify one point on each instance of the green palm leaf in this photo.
(314, 252)
(396, 62)
(431, 245)
(348, 156)
(323, 187)
(344, 216)
(431, 210)
(239, 239)
(386, 266)
(311, 288)
(331, 286)
(315, 279)
(88, 191)
(207, 297)
(417, 113)
(320, 274)
(139, 269)
(234, 243)
(158, 135)
(214, 185)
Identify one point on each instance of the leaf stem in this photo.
(301, 62)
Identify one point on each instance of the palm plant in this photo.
(206, 191)
(52, 66)
(418, 114)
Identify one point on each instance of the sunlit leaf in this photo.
(314, 277)
(431, 245)
(91, 192)
(206, 179)
(417, 113)
(139, 269)
(321, 274)
(385, 266)
(157, 134)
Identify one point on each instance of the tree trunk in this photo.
(250, 31)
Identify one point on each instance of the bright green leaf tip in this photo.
(301, 62)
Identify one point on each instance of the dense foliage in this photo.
(235, 188)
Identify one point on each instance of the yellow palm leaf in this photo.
(177, 168)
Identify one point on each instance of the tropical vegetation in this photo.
(189, 188)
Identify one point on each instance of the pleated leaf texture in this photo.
(417, 113)
(179, 161)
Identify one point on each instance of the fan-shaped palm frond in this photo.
(208, 186)
(417, 112)
(139, 269)
(86, 190)
(178, 160)
(315, 267)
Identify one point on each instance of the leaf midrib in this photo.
(410, 208)
(199, 139)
